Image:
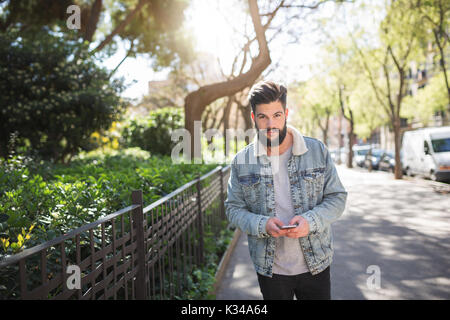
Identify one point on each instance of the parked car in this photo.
(373, 158)
(387, 162)
(426, 152)
(359, 154)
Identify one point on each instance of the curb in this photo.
(224, 261)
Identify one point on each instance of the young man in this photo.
(283, 178)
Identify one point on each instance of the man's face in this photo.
(270, 121)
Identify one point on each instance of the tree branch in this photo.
(122, 25)
(369, 72)
(303, 6)
(388, 84)
(126, 56)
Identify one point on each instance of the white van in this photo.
(426, 152)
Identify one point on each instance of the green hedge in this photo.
(54, 95)
(153, 133)
(57, 198)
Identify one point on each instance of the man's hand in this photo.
(273, 227)
(301, 231)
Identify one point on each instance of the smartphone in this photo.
(289, 226)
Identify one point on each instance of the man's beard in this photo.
(275, 142)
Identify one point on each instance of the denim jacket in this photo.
(316, 191)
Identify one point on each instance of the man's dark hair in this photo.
(265, 92)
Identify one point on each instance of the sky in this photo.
(216, 25)
(136, 71)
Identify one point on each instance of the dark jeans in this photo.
(305, 286)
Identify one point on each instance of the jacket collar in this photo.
(298, 146)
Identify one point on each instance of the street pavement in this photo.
(392, 242)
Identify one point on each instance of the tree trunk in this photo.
(196, 102)
(351, 142)
(397, 145)
(205, 121)
(444, 70)
(340, 140)
(226, 124)
(94, 17)
(325, 137)
(236, 118)
(246, 115)
(351, 135)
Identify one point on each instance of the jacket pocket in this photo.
(251, 185)
(313, 181)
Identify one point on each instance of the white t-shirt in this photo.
(289, 259)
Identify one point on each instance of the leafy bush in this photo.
(54, 96)
(56, 198)
(153, 133)
(40, 201)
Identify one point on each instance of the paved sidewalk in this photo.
(400, 227)
(239, 281)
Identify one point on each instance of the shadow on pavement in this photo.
(403, 229)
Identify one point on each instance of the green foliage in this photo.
(54, 96)
(367, 112)
(156, 29)
(33, 13)
(153, 133)
(318, 99)
(202, 279)
(427, 101)
(17, 246)
(200, 282)
(435, 18)
(57, 198)
(40, 201)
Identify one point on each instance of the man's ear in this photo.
(286, 113)
(253, 116)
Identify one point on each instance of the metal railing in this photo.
(134, 253)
